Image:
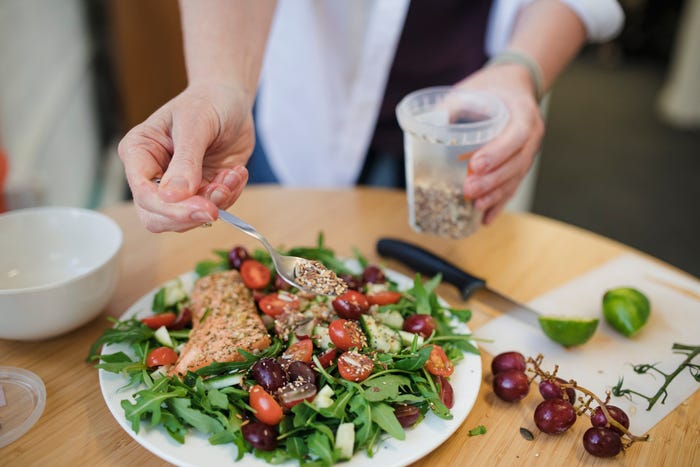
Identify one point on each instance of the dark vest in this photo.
(442, 42)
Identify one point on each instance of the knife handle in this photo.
(425, 262)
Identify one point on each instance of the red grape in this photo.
(260, 435)
(602, 442)
(511, 385)
(236, 256)
(551, 389)
(373, 275)
(424, 325)
(269, 374)
(407, 415)
(598, 418)
(507, 361)
(554, 416)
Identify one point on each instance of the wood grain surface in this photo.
(521, 255)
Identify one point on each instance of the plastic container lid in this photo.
(452, 116)
(22, 401)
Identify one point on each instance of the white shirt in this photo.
(325, 70)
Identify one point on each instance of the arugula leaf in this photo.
(414, 361)
(319, 445)
(384, 387)
(202, 422)
(383, 415)
(131, 331)
(206, 267)
(148, 401)
(217, 368)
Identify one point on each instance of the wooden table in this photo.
(521, 255)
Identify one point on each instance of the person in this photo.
(330, 75)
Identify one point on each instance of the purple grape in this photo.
(236, 256)
(598, 418)
(554, 416)
(269, 374)
(507, 361)
(511, 385)
(353, 282)
(602, 442)
(260, 435)
(551, 389)
(407, 415)
(300, 370)
(373, 275)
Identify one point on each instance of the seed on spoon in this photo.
(314, 277)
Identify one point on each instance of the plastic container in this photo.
(442, 127)
(22, 401)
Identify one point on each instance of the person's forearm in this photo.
(549, 32)
(224, 41)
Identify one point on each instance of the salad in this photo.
(338, 375)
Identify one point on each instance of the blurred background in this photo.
(621, 156)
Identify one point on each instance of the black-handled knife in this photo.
(425, 262)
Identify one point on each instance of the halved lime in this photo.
(626, 310)
(568, 331)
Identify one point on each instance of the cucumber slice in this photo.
(321, 338)
(391, 318)
(407, 338)
(345, 440)
(163, 337)
(223, 381)
(324, 399)
(379, 336)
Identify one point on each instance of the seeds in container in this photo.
(441, 209)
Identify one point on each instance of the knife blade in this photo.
(425, 262)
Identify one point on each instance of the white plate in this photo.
(196, 450)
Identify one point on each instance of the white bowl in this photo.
(58, 268)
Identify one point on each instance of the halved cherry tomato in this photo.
(267, 410)
(447, 394)
(354, 366)
(438, 364)
(183, 320)
(302, 351)
(346, 334)
(351, 304)
(385, 297)
(255, 275)
(275, 304)
(156, 321)
(161, 356)
(327, 358)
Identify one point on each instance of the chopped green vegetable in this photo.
(479, 430)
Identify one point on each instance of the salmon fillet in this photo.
(224, 319)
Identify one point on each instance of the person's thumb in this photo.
(183, 177)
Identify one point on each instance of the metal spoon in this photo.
(289, 267)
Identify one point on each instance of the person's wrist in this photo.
(523, 68)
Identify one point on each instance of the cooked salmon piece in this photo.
(224, 319)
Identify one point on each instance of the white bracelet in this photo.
(532, 67)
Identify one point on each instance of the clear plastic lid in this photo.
(452, 116)
(22, 401)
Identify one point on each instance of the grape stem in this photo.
(544, 375)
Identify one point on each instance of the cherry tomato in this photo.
(161, 356)
(327, 358)
(275, 304)
(386, 297)
(423, 325)
(267, 410)
(447, 394)
(354, 366)
(183, 320)
(156, 321)
(346, 334)
(301, 351)
(438, 364)
(351, 304)
(255, 275)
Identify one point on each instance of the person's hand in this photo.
(497, 168)
(197, 145)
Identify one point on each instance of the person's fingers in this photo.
(500, 194)
(492, 213)
(193, 131)
(226, 187)
(525, 123)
